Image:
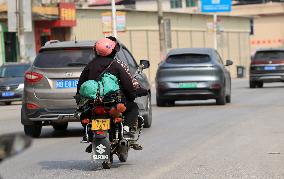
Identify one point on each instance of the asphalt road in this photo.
(244, 139)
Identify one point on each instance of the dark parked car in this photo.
(12, 81)
(51, 82)
(267, 66)
(193, 74)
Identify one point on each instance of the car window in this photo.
(219, 59)
(131, 61)
(269, 55)
(188, 58)
(13, 71)
(64, 58)
(120, 55)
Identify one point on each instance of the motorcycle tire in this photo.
(106, 165)
(123, 157)
(111, 158)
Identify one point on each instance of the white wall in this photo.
(152, 5)
(30, 46)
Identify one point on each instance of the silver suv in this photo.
(51, 82)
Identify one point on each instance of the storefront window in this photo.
(191, 3)
(176, 3)
(10, 41)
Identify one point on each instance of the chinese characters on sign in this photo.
(216, 6)
(120, 22)
(67, 15)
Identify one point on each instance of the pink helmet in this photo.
(104, 46)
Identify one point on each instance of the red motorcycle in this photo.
(104, 129)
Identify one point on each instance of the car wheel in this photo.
(260, 84)
(221, 100)
(252, 84)
(148, 116)
(8, 103)
(60, 127)
(160, 102)
(171, 103)
(106, 165)
(228, 98)
(33, 130)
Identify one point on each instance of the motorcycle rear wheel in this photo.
(106, 165)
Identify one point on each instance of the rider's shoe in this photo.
(136, 146)
(84, 139)
(89, 149)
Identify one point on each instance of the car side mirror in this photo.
(144, 64)
(12, 144)
(229, 63)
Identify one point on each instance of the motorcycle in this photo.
(104, 129)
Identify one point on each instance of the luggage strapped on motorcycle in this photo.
(109, 97)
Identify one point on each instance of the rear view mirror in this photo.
(144, 64)
(12, 144)
(229, 63)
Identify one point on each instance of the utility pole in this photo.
(215, 31)
(162, 37)
(20, 29)
(113, 8)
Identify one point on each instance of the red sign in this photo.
(67, 15)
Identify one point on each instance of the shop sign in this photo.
(67, 15)
(120, 21)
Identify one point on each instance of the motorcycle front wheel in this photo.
(123, 157)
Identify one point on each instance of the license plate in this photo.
(270, 68)
(187, 85)
(100, 124)
(8, 94)
(66, 83)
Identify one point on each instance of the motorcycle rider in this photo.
(104, 61)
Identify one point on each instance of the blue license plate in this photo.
(270, 68)
(8, 94)
(66, 83)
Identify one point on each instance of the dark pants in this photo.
(131, 114)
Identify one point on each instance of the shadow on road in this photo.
(81, 165)
(12, 104)
(264, 87)
(272, 87)
(73, 132)
(190, 104)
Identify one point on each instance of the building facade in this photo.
(189, 6)
(267, 23)
(48, 22)
(141, 34)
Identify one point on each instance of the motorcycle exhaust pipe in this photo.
(123, 142)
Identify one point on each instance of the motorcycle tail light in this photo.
(85, 121)
(100, 132)
(99, 110)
